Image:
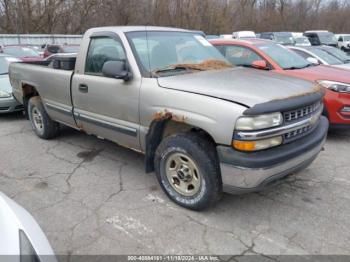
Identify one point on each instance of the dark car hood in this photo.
(240, 85)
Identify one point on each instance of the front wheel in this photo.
(188, 171)
(42, 124)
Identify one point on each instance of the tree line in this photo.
(211, 16)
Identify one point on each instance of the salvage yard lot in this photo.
(93, 197)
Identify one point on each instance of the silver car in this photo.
(21, 238)
(7, 101)
(325, 55)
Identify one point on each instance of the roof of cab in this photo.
(126, 29)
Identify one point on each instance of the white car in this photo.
(226, 36)
(344, 42)
(325, 55)
(21, 238)
(243, 34)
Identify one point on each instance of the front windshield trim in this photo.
(149, 74)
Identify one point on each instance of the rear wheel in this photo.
(188, 171)
(41, 122)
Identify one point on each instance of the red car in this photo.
(23, 53)
(267, 55)
(58, 49)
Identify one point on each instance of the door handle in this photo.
(83, 88)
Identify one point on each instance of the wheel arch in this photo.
(28, 91)
(163, 127)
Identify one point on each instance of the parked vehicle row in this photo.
(35, 53)
(308, 38)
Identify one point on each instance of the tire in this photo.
(43, 126)
(188, 171)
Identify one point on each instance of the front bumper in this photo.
(250, 172)
(8, 105)
(335, 102)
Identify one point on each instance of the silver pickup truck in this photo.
(204, 127)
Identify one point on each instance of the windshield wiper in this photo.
(3, 73)
(297, 67)
(175, 69)
(211, 64)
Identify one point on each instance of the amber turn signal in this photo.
(257, 145)
(244, 145)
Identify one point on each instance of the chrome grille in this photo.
(300, 113)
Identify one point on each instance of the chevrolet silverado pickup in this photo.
(203, 126)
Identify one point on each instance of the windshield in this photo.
(302, 40)
(346, 38)
(330, 59)
(284, 57)
(20, 51)
(158, 51)
(284, 39)
(327, 38)
(339, 54)
(70, 49)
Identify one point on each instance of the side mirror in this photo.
(313, 60)
(116, 69)
(260, 64)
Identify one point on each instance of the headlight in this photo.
(248, 123)
(257, 145)
(27, 251)
(4, 94)
(335, 86)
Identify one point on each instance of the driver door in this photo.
(104, 106)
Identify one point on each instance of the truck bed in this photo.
(53, 85)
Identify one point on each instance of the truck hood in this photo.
(241, 85)
(5, 84)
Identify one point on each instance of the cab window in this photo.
(102, 50)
